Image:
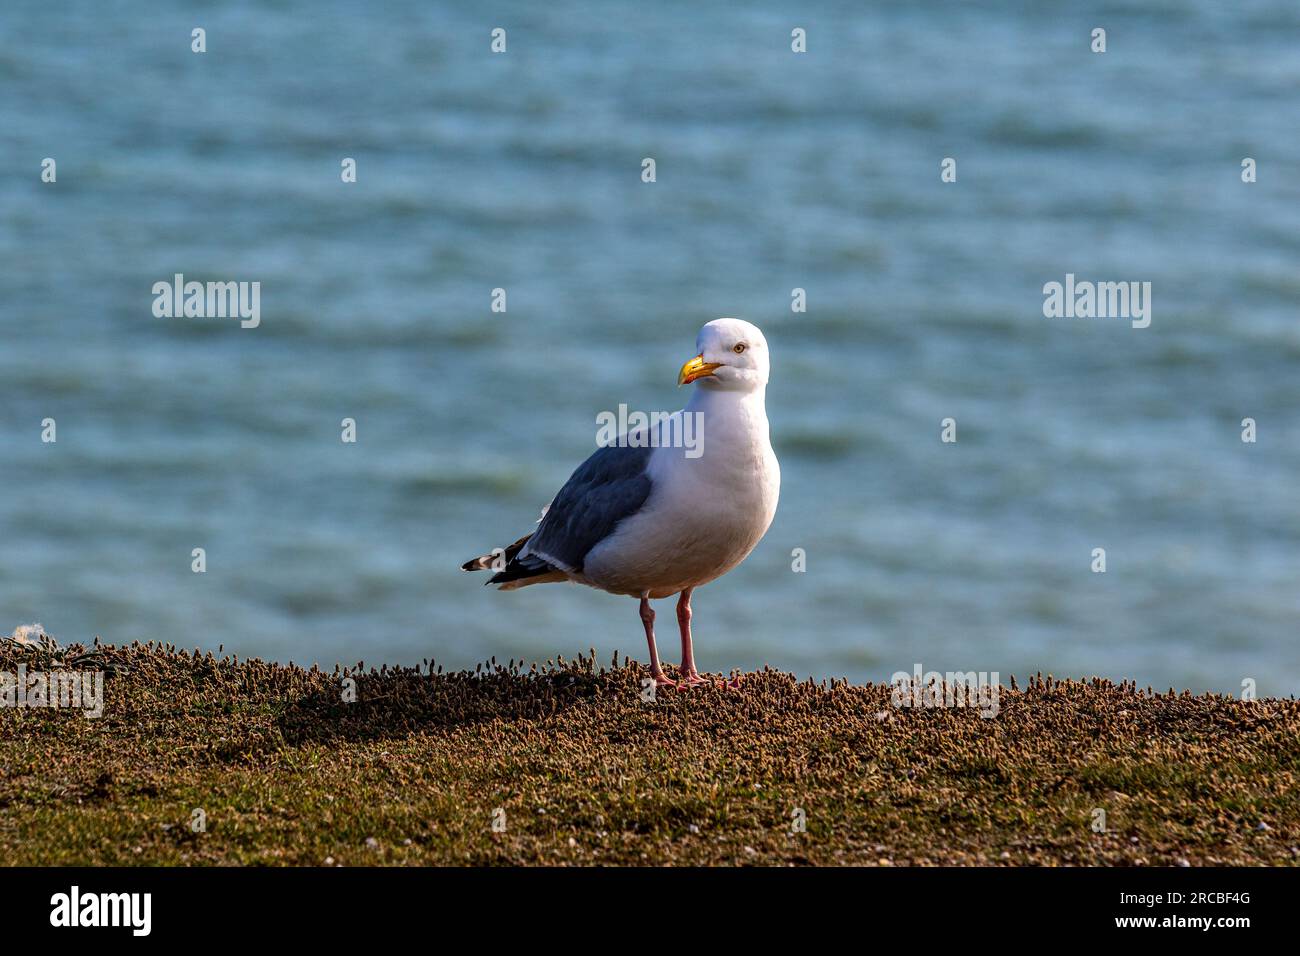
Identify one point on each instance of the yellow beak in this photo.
(696, 368)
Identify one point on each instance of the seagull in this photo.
(651, 515)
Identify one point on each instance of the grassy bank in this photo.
(582, 771)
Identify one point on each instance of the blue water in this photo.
(775, 171)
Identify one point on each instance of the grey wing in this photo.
(609, 486)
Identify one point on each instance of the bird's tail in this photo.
(509, 567)
(498, 559)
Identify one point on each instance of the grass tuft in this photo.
(582, 771)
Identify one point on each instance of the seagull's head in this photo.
(732, 355)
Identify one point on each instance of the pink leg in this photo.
(689, 675)
(648, 619)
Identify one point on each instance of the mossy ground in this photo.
(585, 772)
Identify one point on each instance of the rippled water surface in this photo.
(775, 171)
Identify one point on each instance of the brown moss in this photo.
(585, 772)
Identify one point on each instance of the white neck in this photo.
(722, 404)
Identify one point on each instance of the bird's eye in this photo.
(740, 347)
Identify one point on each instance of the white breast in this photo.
(704, 514)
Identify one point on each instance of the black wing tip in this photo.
(518, 572)
(515, 570)
(485, 562)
